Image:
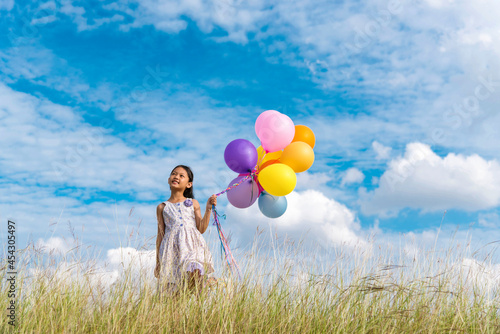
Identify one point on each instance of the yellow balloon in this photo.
(304, 134)
(298, 155)
(278, 179)
(268, 157)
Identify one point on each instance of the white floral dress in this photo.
(183, 248)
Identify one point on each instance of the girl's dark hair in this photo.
(188, 192)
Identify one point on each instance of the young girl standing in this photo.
(182, 256)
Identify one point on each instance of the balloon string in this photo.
(233, 266)
(234, 185)
(231, 262)
(261, 159)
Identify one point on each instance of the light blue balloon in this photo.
(272, 206)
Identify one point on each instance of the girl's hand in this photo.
(211, 201)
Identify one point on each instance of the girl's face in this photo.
(179, 179)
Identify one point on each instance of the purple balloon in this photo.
(241, 156)
(243, 195)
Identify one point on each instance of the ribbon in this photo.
(233, 266)
(231, 262)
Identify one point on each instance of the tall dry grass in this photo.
(286, 288)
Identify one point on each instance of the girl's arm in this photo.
(202, 223)
(159, 236)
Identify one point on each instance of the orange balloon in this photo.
(298, 155)
(268, 163)
(304, 134)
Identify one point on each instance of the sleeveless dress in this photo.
(183, 248)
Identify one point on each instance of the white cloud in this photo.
(54, 245)
(52, 144)
(423, 180)
(76, 13)
(47, 212)
(81, 18)
(383, 152)
(419, 72)
(54, 167)
(237, 18)
(488, 220)
(310, 213)
(352, 175)
(482, 274)
(431, 256)
(39, 65)
(44, 14)
(317, 181)
(218, 83)
(26, 62)
(402, 68)
(95, 273)
(54, 160)
(128, 258)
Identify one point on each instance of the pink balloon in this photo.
(263, 119)
(275, 130)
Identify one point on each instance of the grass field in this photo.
(284, 290)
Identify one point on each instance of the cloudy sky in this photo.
(99, 100)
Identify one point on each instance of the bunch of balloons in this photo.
(268, 173)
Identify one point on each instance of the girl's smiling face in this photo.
(179, 179)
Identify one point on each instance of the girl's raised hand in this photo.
(212, 200)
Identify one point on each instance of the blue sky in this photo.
(99, 101)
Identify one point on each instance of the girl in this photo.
(181, 251)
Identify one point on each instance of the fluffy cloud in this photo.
(310, 213)
(482, 274)
(25, 62)
(128, 258)
(52, 159)
(94, 272)
(236, 17)
(423, 180)
(424, 57)
(54, 145)
(55, 245)
(417, 66)
(352, 175)
(30, 61)
(383, 152)
(54, 167)
(331, 34)
(419, 254)
(307, 180)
